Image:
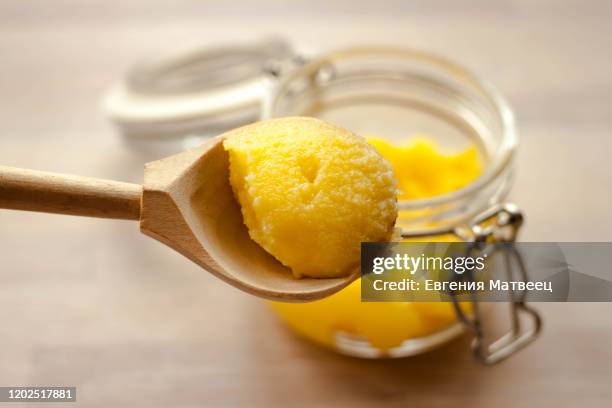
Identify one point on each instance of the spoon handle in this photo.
(31, 190)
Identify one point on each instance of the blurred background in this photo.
(94, 304)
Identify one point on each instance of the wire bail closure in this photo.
(491, 231)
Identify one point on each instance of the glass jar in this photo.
(395, 93)
(168, 104)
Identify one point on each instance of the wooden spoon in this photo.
(187, 203)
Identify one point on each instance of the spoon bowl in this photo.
(188, 204)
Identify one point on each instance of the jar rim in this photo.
(509, 137)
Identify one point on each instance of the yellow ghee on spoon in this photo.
(310, 192)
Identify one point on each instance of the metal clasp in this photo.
(487, 233)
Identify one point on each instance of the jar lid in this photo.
(198, 91)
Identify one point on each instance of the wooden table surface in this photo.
(92, 303)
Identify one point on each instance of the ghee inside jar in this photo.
(310, 192)
(422, 171)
